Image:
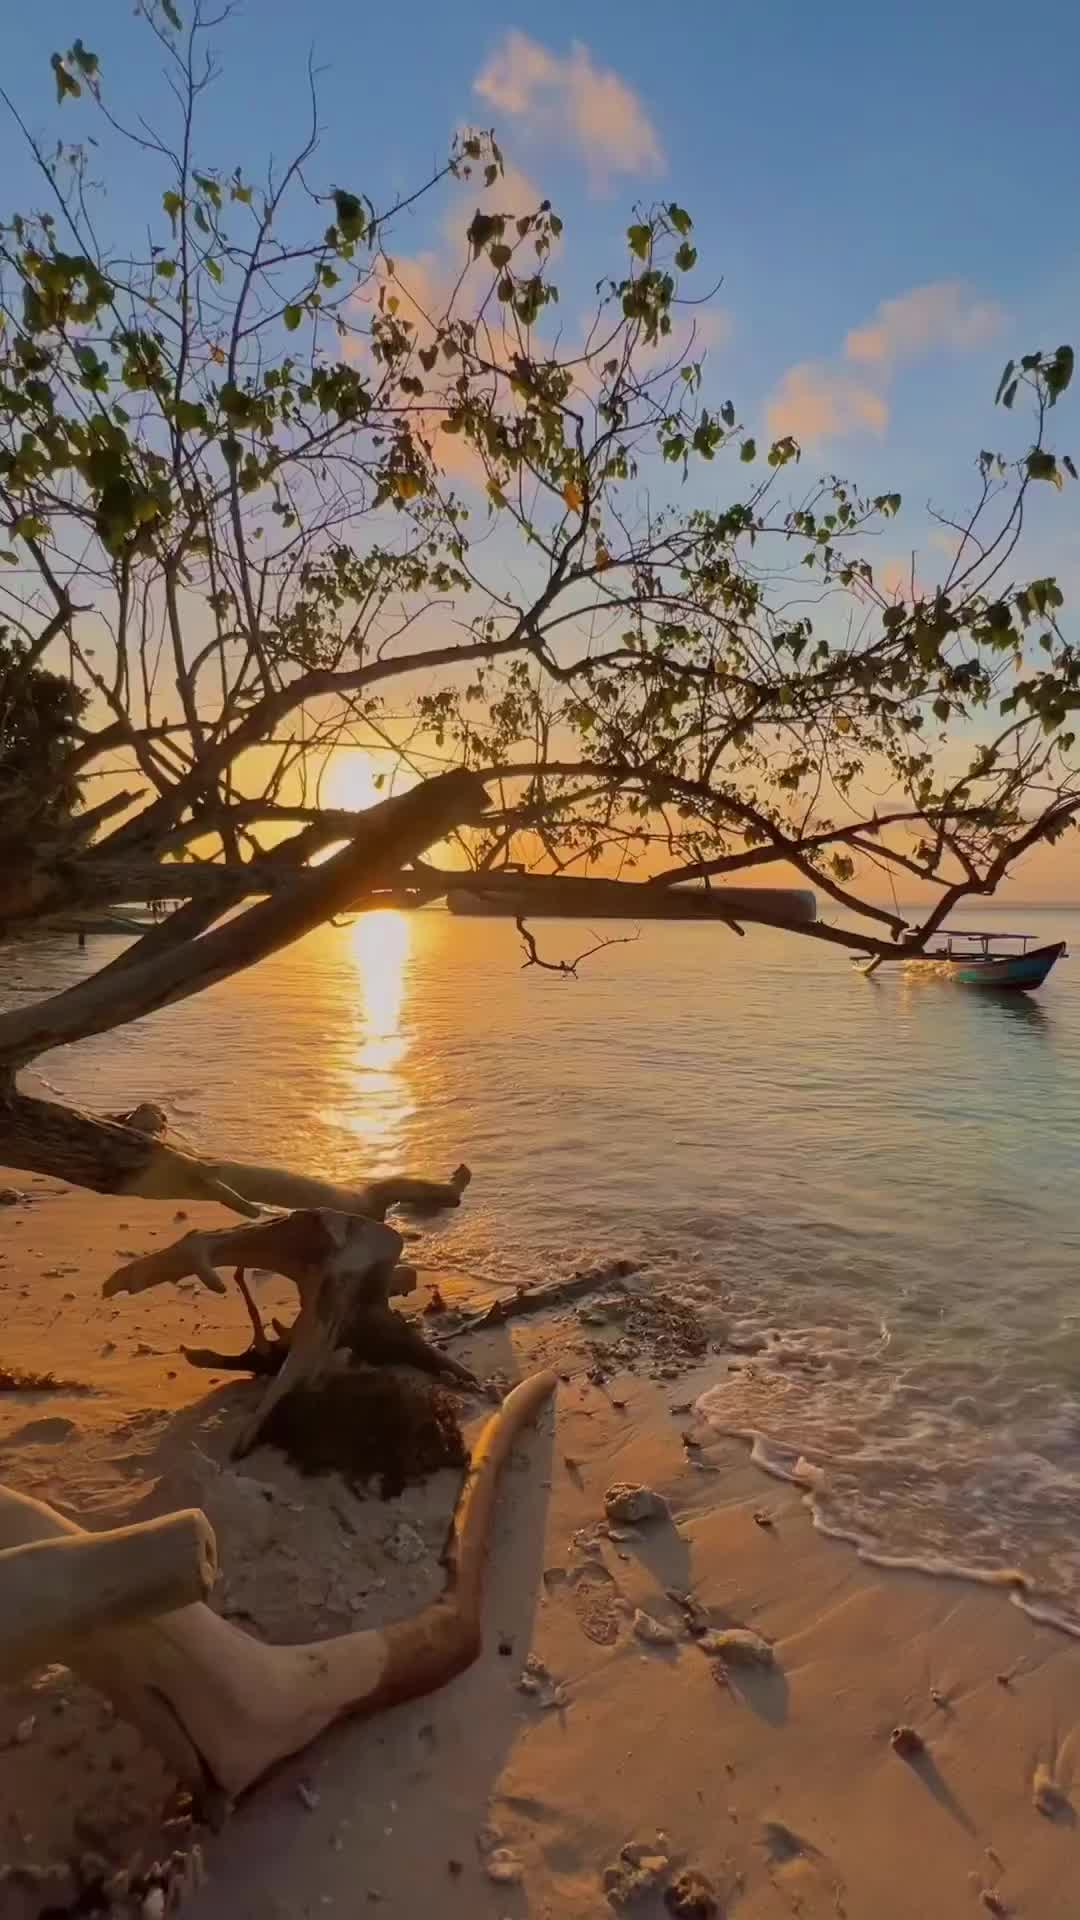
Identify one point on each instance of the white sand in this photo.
(780, 1786)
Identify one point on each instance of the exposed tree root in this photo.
(224, 1708)
(344, 1266)
(369, 1425)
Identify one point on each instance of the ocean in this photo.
(878, 1178)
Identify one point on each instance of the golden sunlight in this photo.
(380, 944)
(349, 779)
(381, 1100)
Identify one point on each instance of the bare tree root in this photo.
(374, 1336)
(336, 1261)
(225, 1708)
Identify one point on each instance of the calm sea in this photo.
(878, 1176)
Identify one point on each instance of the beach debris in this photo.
(638, 1871)
(691, 1897)
(631, 1503)
(1048, 1798)
(906, 1742)
(737, 1647)
(585, 1541)
(307, 1796)
(506, 1646)
(405, 1545)
(698, 1621)
(435, 1303)
(655, 1633)
(503, 1866)
(992, 1901)
(10, 1196)
(763, 1519)
(534, 1675)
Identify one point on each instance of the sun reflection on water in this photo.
(379, 1100)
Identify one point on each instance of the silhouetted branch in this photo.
(568, 968)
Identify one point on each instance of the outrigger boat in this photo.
(969, 960)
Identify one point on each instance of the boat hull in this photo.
(1011, 973)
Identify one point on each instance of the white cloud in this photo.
(943, 314)
(567, 96)
(828, 401)
(816, 402)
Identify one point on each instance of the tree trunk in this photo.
(120, 1154)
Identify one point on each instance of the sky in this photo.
(887, 194)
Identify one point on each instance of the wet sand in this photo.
(625, 1761)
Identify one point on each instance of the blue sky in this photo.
(888, 193)
(834, 158)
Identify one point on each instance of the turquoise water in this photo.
(877, 1177)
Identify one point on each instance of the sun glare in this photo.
(350, 780)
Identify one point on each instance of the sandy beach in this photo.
(579, 1767)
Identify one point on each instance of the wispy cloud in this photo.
(943, 314)
(568, 96)
(816, 402)
(829, 400)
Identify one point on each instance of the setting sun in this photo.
(349, 779)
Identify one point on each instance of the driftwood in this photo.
(223, 1707)
(334, 1260)
(130, 1154)
(374, 1336)
(539, 1299)
(343, 1267)
(53, 1590)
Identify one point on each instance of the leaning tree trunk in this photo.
(40, 1136)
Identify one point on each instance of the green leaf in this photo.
(292, 317)
(213, 268)
(1041, 465)
(350, 214)
(679, 218)
(639, 239)
(66, 82)
(942, 707)
(87, 62)
(748, 451)
(686, 257)
(166, 269)
(727, 414)
(499, 255)
(483, 228)
(9, 558)
(1003, 383)
(171, 15)
(1067, 463)
(172, 204)
(190, 417)
(1058, 373)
